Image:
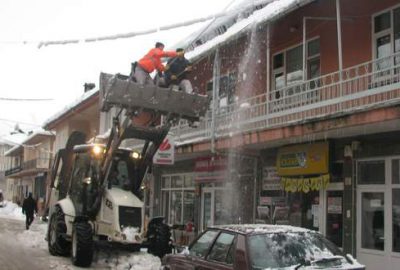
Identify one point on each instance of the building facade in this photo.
(29, 168)
(302, 129)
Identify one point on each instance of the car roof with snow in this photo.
(260, 228)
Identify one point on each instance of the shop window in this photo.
(178, 198)
(371, 172)
(334, 217)
(396, 171)
(396, 220)
(176, 181)
(372, 220)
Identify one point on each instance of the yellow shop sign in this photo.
(304, 159)
(305, 184)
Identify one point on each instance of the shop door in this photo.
(378, 215)
(217, 207)
(207, 209)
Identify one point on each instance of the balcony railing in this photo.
(13, 170)
(38, 163)
(372, 84)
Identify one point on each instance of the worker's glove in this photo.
(173, 77)
(189, 68)
(180, 53)
(166, 67)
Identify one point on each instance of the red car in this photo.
(259, 247)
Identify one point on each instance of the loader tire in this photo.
(160, 240)
(57, 243)
(82, 244)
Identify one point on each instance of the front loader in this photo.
(96, 188)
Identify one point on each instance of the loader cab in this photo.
(86, 176)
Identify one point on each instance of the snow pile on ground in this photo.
(135, 261)
(35, 236)
(11, 210)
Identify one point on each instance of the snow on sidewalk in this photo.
(11, 211)
(35, 238)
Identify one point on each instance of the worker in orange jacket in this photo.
(150, 62)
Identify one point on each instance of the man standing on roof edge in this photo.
(150, 62)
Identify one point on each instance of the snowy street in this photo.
(27, 249)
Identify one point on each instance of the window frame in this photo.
(283, 69)
(232, 245)
(166, 200)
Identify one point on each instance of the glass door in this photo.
(378, 215)
(207, 214)
(334, 216)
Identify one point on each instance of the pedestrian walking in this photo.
(29, 208)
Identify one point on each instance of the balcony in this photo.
(28, 167)
(366, 86)
(13, 170)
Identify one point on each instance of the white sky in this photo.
(58, 72)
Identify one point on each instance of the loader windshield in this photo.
(122, 173)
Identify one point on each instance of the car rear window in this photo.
(201, 246)
(277, 250)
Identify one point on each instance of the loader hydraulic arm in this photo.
(135, 99)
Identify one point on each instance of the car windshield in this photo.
(280, 250)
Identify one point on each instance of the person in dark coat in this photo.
(176, 72)
(29, 207)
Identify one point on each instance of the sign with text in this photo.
(165, 154)
(270, 179)
(304, 159)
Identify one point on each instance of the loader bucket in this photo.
(118, 90)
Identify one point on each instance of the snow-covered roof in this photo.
(86, 96)
(272, 11)
(261, 228)
(27, 139)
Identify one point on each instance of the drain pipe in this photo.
(215, 96)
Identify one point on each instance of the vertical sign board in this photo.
(165, 154)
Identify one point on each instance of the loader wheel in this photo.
(82, 244)
(160, 240)
(58, 245)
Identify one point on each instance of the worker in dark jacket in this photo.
(176, 72)
(150, 62)
(29, 207)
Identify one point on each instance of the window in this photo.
(372, 223)
(227, 92)
(220, 252)
(288, 68)
(178, 198)
(371, 172)
(396, 220)
(202, 245)
(386, 40)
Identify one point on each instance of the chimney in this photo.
(88, 86)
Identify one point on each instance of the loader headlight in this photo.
(97, 150)
(135, 155)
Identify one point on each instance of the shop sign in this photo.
(334, 205)
(209, 164)
(305, 184)
(265, 200)
(305, 159)
(165, 154)
(271, 179)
